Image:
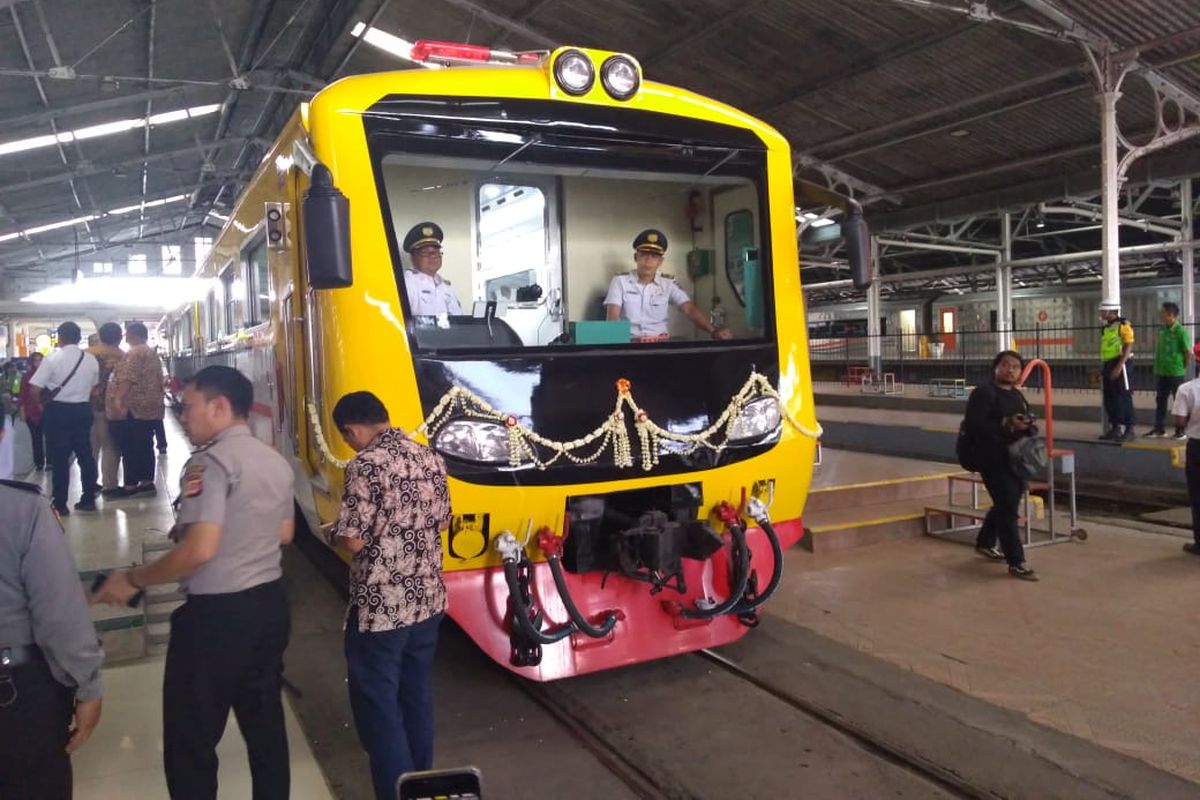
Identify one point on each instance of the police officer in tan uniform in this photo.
(50, 688)
(429, 294)
(227, 640)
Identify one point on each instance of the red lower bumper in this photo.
(478, 601)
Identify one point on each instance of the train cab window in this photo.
(538, 235)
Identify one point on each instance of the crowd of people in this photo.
(998, 417)
(234, 514)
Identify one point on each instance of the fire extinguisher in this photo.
(695, 210)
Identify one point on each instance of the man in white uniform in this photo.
(1187, 418)
(643, 297)
(428, 293)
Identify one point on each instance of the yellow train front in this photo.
(610, 495)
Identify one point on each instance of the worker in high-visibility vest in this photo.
(1116, 346)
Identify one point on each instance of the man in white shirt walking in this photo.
(69, 374)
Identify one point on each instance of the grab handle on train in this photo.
(327, 232)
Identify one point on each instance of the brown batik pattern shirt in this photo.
(397, 502)
(142, 369)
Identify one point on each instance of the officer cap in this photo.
(422, 234)
(651, 241)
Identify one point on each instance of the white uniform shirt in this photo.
(1187, 404)
(58, 365)
(429, 295)
(645, 305)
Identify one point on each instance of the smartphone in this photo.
(99, 580)
(440, 784)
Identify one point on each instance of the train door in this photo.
(738, 280)
(947, 317)
(518, 247)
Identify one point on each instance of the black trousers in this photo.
(160, 434)
(226, 652)
(1000, 524)
(38, 435)
(135, 437)
(1164, 390)
(68, 428)
(1118, 395)
(1192, 471)
(35, 717)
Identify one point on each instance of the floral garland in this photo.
(613, 432)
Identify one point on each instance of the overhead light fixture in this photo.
(107, 129)
(67, 223)
(960, 133)
(1040, 222)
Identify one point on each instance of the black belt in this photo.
(18, 655)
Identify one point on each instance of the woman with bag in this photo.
(997, 421)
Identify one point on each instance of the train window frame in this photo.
(227, 277)
(257, 312)
(623, 146)
(212, 318)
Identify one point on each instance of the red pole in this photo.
(1029, 365)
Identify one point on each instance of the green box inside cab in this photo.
(614, 331)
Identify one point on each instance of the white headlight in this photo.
(483, 442)
(620, 77)
(759, 418)
(574, 73)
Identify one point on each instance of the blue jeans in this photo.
(391, 697)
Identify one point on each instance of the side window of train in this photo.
(254, 259)
(212, 317)
(229, 315)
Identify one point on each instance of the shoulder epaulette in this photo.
(24, 487)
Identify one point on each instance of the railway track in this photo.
(651, 772)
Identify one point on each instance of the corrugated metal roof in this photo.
(876, 87)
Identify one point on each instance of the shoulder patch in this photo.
(192, 482)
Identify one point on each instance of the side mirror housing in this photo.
(858, 246)
(327, 232)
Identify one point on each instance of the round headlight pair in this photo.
(575, 75)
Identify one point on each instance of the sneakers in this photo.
(1180, 436)
(1127, 436)
(142, 489)
(1157, 433)
(992, 552)
(1111, 435)
(86, 505)
(1022, 571)
(1192, 548)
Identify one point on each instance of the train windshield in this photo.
(512, 230)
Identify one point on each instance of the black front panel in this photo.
(565, 397)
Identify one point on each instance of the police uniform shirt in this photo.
(243, 485)
(57, 366)
(41, 599)
(645, 305)
(429, 295)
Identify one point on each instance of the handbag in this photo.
(46, 395)
(1028, 457)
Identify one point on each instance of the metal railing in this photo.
(1074, 353)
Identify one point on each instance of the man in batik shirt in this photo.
(394, 508)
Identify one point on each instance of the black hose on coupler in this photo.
(577, 618)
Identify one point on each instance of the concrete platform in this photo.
(1101, 648)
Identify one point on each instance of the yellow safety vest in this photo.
(1110, 341)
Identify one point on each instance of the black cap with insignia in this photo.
(651, 241)
(422, 234)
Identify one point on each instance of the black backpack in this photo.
(964, 449)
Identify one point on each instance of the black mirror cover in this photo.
(858, 247)
(327, 233)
